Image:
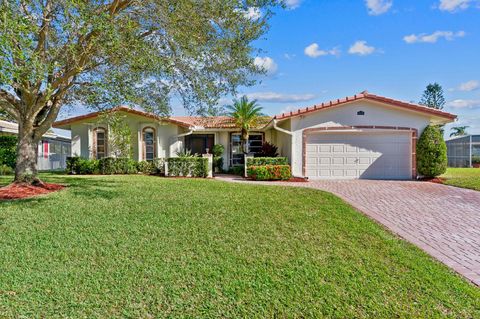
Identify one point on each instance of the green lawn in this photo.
(148, 247)
(463, 177)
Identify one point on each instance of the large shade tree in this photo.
(103, 52)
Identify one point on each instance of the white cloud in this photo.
(253, 13)
(361, 48)
(378, 7)
(289, 56)
(267, 64)
(279, 97)
(454, 5)
(469, 86)
(314, 51)
(464, 104)
(293, 4)
(434, 37)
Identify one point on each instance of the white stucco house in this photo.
(361, 136)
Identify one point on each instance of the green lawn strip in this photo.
(463, 177)
(140, 246)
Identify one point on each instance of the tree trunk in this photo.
(244, 140)
(26, 166)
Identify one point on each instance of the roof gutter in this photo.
(186, 133)
(280, 129)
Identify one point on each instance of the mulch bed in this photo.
(436, 180)
(22, 190)
(296, 180)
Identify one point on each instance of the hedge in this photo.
(259, 161)
(431, 153)
(269, 172)
(111, 165)
(188, 166)
(8, 150)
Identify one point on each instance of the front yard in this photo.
(145, 247)
(463, 177)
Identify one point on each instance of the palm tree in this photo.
(246, 114)
(459, 131)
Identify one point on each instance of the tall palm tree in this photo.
(246, 114)
(459, 131)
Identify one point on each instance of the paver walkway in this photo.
(442, 220)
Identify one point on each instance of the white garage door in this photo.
(369, 155)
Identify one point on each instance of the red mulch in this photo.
(436, 180)
(296, 180)
(22, 190)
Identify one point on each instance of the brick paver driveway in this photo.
(442, 220)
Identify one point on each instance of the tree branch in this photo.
(9, 103)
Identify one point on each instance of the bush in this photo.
(431, 153)
(476, 159)
(269, 172)
(5, 170)
(146, 167)
(105, 166)
(236, 170)
(217, 152)
(81, 166)
(120, 165)
(8, 150)
(188, 166)
(268, 150)
(260, 161)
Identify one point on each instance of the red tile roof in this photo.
(367, 96)
(216, 121)
(213, 122)
(116, 109)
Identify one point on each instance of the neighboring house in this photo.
(53, 149)
(462, 150)
(362, 136)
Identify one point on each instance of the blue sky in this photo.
(321, 50)
(318, 50)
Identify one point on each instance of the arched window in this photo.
(99, 142)
(148, 136)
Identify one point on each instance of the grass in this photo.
(147, 247)
(463, 177)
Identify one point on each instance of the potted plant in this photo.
(476, 161)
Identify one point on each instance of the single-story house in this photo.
(361, 136)
(53, 149)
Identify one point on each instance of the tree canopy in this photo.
(101, 53)
(433, 96)
(459, 131)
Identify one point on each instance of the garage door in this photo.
(372, 155)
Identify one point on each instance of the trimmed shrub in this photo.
(120, 165)
(159, 164)
(269, 172)
(82, 166)
(237, 170)
(5, 170)
(260, 161)
(146, 167)
(188, 166)
(431, 153)
(8, 150)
